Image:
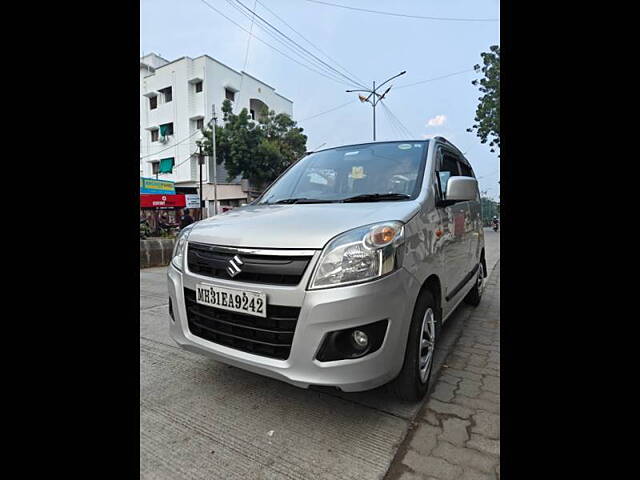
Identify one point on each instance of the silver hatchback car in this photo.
(341, 274)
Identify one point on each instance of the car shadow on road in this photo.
(382, 398)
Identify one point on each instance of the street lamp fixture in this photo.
(376, 97)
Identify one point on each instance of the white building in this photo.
(176, 100)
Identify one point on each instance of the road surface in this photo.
(201, 419)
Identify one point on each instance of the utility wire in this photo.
(338, 72)
(267, 44)
(291, 48)
(405, 129)
(421, 17)
(396, 131)
(392, 121)
(170, 147)
(436, 78)
(296, 50)
(246, 53)
(307, 40)
(328, 111)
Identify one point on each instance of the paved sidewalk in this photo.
(456, 435)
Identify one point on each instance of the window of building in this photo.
(166, 129)
(166, 165)
(155, 167)
(198, 86)
(200, 123)
(253, 114)
(230, 94)
(167, 94)
(154, 135)
(153, 102)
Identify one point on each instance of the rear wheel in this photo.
(413, 381)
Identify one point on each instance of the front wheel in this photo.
(412, 383)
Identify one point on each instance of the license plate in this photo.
(242, 301)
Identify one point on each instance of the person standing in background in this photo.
(185, 219)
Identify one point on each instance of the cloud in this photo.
(436, 121)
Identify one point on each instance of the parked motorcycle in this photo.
(495, 227)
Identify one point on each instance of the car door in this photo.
(473, 231)
(455, 218)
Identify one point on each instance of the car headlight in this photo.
(361, 254)
(177, 258)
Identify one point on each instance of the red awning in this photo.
(158, 200)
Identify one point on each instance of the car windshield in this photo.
(368, 172)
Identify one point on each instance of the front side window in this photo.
(154, 135)
(369, 172)
(229, 94)
(466, 170)
(153, 102)
(448, 166)
(198, 87)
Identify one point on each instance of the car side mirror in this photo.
(460, 189)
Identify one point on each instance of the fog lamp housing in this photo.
(354, 342)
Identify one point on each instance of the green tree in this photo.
(258, 151)
(487, 126)
(490, 208)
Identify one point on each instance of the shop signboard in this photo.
(157, 200)
(152, 185)
(192, 201)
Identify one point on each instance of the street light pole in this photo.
(201, 162)
(374, 111)
(214, 166)
(376, 97)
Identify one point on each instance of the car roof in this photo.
(438, 138)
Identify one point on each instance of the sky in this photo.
(370, 46)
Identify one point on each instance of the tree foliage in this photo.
(487, 126)
(258, 151)
(490, 208)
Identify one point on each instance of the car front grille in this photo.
(270, 337)
(213, 261)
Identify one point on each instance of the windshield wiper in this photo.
(376, 197)
(301, 200)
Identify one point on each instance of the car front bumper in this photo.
(322, 311)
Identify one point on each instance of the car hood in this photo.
(305, 226)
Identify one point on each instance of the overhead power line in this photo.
(246, 54)
(436, 78)
(269, 45)
(328, 111)
(397, 132)
(287, 45)
(297, 45)
(421, 17)
(318, 49)
(397, 120)
(170, 147)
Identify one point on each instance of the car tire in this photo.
(413, 381)
(475, 294)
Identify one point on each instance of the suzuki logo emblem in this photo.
(234, 266)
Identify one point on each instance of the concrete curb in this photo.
(156, 252)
